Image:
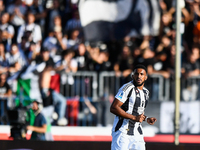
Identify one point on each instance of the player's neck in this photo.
(140, 87)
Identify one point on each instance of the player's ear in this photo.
(146, 77)
(132, 74)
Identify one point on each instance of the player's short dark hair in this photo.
(141, 67)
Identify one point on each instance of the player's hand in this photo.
(140, 118)
(151, 120)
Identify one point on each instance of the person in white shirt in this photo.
(31, 30)
(17, 60)
(7, 31)
(17, 11)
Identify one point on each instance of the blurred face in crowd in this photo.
(166, 41)
(30, 18)
(74, 34)
(3, 78)
(136, 52)
(45, 55)
(1, 3)
(35, 106)
(166, 19)
(76, 14)
(57, 21)
(173, 50)
(195, 51)
(33, 47)
(126, 51)
(148, 53)
(81, 49)
(5, 18)
(14, 49)
(56, 4)
(69, 56)
(192, 58)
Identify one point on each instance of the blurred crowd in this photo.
(33, 32)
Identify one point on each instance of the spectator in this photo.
(82, 58)
(40, 13)
(124, 64)
(156, 65)
(32, 52)
(30, 30)
(5, 95)
(5, 90)
(2, 7)
(59, 101)
(73, 38)
(100, 58)
(17, 60)
(17, 11)
(52, 13)
(39, 127)
(23, 46)
(190, 68)
(6, 31)
(73, 23)
(45, 57)
(164, 44)
(68, 63)
(55, 41)
(136, 55)
(196, 52)
(4, 59)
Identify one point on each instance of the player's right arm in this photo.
(116, 109)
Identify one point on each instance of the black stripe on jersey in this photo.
(146, 96)
(119, 124)
(134, 112)
(140, 130)
(125, 108)
(127, 86)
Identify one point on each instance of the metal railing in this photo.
(84, 86)
(81, 83)
(109, 84)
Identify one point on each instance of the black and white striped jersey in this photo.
(135, 102)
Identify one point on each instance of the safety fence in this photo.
(89, 94)
(98, 85)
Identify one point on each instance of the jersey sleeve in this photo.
(123, 93)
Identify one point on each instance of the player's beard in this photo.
(135, 83)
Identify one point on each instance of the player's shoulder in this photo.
(127, 86)
(145, 89)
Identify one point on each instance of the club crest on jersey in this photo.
(121, 94)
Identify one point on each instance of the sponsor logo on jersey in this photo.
(121, 94)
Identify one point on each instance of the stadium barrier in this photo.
(85, 91)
